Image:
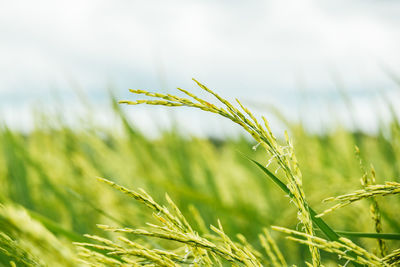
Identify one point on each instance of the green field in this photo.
(51, 195)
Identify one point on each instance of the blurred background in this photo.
(294, 55)
(327, 71)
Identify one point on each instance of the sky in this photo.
(289, 54)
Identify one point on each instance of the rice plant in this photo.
(286, 160)
(219, 208)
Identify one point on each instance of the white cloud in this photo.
(248, 48)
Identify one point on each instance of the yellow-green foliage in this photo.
(193, 249)
(51, 199)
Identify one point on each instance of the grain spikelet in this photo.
(389, 188)
(283, 155)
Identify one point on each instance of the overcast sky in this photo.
(261, 51)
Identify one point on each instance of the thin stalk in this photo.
(322, 225)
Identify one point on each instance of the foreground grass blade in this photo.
(325, 228)
(329, 232)
(370, 235)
